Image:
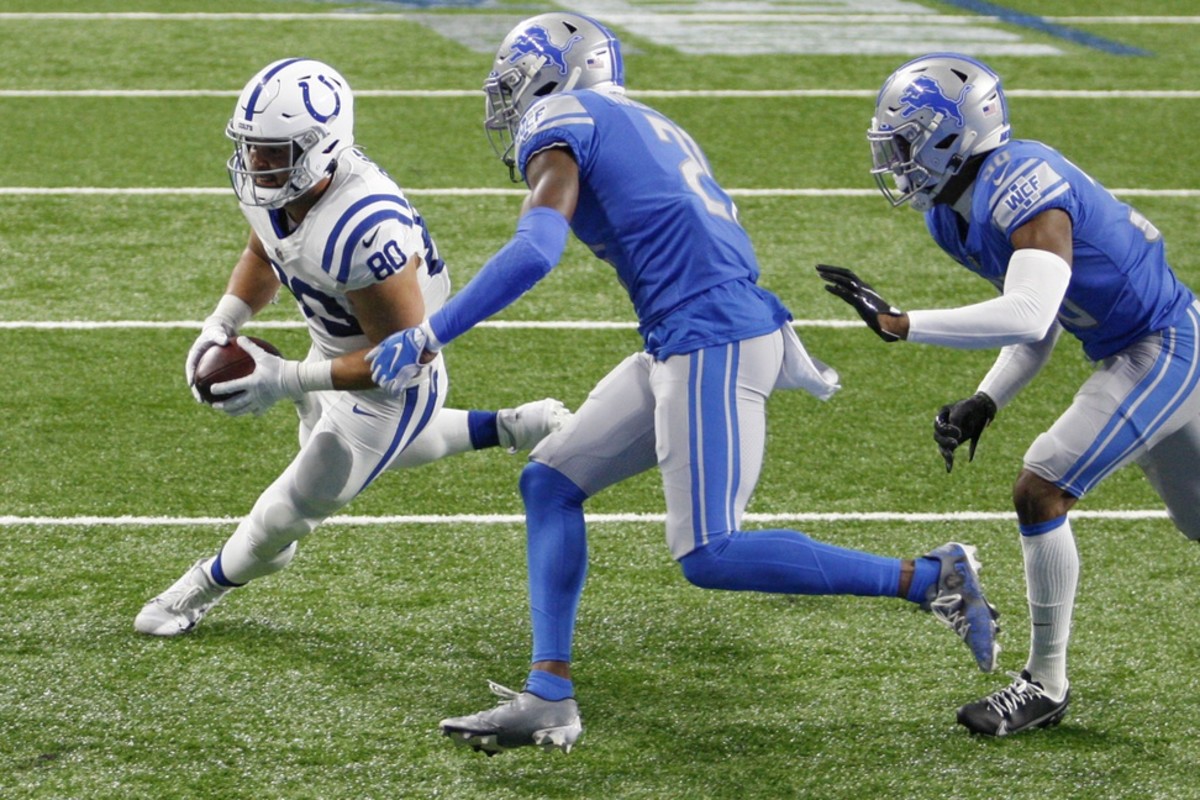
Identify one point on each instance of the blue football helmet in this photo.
(931, 116)
(297, 103)
(549, 53)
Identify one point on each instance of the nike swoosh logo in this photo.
(361, 412)
(368, 242)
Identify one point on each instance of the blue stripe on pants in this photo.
(1172, 379)
(713, 440)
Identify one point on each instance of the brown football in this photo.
(218, 364)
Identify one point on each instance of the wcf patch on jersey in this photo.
(1024, 192)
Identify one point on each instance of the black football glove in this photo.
(866, 301)
(960, 422)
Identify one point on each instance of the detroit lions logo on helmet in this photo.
(924, 92)
(536, 41)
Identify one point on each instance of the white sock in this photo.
(1051, 576)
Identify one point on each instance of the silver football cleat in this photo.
(521, 719)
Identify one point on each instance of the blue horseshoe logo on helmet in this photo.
(318, 116)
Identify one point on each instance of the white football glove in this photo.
(273, 379)
(215, 335)
(223, 324)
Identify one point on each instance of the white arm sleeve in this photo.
(1034, 287)
(1015, 367)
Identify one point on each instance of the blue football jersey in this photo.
(648, 205)
(1121, 286)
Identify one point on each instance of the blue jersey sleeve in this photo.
(528, 257)
(559, 120)
(1026, 188)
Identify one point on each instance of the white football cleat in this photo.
(521, 428)
(179, 608)
(521, 719)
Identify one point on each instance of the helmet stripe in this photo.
(618, 63)
(253, 101)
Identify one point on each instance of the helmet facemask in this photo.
(918, 161)
(505, 95)
(279, 182)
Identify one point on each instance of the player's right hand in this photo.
(861, 296)
(213, 333)
(960, 422)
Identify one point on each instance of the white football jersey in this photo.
(361, 231)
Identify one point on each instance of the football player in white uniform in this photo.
(334, 229)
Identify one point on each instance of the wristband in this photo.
(314, 376)
(432, 343)
(232, 312)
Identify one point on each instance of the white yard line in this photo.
(322, 18)
(516, 519)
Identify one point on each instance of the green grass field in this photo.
(328, 680)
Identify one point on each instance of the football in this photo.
(219, 364)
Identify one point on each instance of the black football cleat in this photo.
(1021, 705)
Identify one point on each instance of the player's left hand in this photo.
(396, 361)
(273, 379)
(858, 293)
(960, 422)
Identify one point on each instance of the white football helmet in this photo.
(554, 52)
(931, 116)
(297, 103)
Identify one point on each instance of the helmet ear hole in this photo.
(947, 143)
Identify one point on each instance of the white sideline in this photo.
(516, 519)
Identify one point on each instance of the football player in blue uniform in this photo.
(1063, 253)
(637, 190)
(334, 229)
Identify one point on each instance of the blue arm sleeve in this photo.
(528, 257)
